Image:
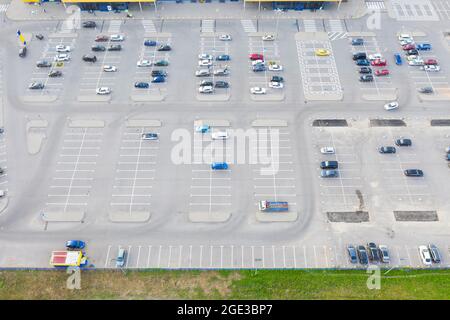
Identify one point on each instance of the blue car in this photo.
(75, 244)
(362, 62)
(223, 57)
(141, 85)
(219, 166)
(357, 42)
(202, 129)
(158, 79)
(398, 59)
(423, 46)
(259, 67)
(149, 43)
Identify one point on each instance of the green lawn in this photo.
(246, 284)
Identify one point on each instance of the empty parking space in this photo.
(249, 26)
(72, 181)
(443, 8)
(319, 74)
(344, 192)
(135, 171)
(414, 10)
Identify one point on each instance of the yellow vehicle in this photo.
(322, 52)
(59, 64)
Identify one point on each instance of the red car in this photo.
(256, 56)
(430, 62)
(378, 63)
(409, 46)
(383, 72)
(102, 38)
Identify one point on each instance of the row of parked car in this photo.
(206, 62)
(258, 65)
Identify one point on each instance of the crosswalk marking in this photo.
(337, 30)
(149, 26)
(4, 7)
(208, 26)
(114, 26)
(248, 26)
(337, 35)
(375, 5)
(310, 25)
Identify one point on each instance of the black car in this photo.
(156, 73)
(329, 165)
(359, 56)
(89, 58)
(221, 84)
(277, 79)
(39, 36)
(373, 252)
(434, 252)
(352, 254)
(413, 173)
(55, 73)
(115, 47)
(426, 90)
(206, 83)
(89, 24)
(36, 86)
(164, 47)
(412, 52)
(387, 149)
(23, 52)
(365, 70)
(362, 255)
(366, 78)
(43, 64)
(98, 48)
(403, 142)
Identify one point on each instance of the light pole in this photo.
(278, 12)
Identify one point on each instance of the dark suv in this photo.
(359, 56)
(387, 149)
(362, 255)
(89, 58)
(403, 142)
(23, 52)
(373, 252)
(98, 48)
(329, 165)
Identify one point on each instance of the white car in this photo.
(259, 61)
(206, 89)
(62, 48)
(275, 67)
(327, 150)
(205, 56)
(116, 37)
(406, 41)
(109, 68)
(425, 255)
(431, 68)
(416, 62)
(275, 85)
(258, 90)
(403, 36)
(391, 106)
(202, 73)
(375, 56)
(225, 37)
(205, 63)
(268, 37)
(221, 72)
(412, 57)
(62, 57)
(144, 63)
(103, 90)
(220, 135)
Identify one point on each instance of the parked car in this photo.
(403, 142)
(150, 136)
(352, 255)
(39, 36)
(75, 244)
(225, 37)
(159, 73)
(329, 164)
(366, 78)
(164, 47)
(357, 42)
(206, 89)
(387, 149)
(359, 56)
(257, 90)
(219, 166)
(430, 62)
(205, 56)
(219, 135)
(391, 106)
(365, 70)
(426, 90)
(276, 85)
(275, 67)
(409, 46)
(256, 56)
(202, 129)
(144, 63)
(373, 252)
(435, 254)
(221, 84)
(121, 258)
(205, 63)
(413, 173)
(362, 255)
(329, 173)
(431, 68)
(423, 46)
(43, 64)
(141, 85)
(259, 68)
(221, 72)
(322, 52)
(89, 58)
(378, 63)
(375, 56)
(268, 37)
(115, 47)
(116, 37)
(362, 62)
(161, 63)
(327, 150)
(55, 74)
(23, 52)
(398, 59)
(89, 24)
(62, 48)
(149, 43)
(109, 68)
(98, 48)
(416, 62)
(412, 52)
(384, 253)
(202, 73)
(425, 255)
(102, 38)
(158, 79)
(223, 57)
(62, 57)
(36, 86)
(103, 90)
(383, 72)
(206, 83)
(277, 79)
